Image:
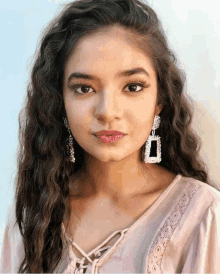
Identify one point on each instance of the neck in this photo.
(116, 179)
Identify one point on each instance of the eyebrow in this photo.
(80, 75)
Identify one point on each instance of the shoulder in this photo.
(191, 227)
(200, 200)
(203, 252)
(202, 190)
(207, 198)
(12, 252)
(192, 199)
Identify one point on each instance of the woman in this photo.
(135, 198)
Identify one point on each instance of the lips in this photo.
(110, 139)
(109, 133)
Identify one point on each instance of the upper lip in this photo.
(109, 132)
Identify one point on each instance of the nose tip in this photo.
(108, 108)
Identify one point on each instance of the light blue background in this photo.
(193, 29)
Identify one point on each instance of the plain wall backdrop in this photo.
(193, 31)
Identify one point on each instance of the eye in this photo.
(141, 84)
(85, 88)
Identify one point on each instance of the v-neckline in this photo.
(133, 226)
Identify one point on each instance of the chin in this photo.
(107, 157)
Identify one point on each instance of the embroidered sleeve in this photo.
(158, 247)
(204, 253)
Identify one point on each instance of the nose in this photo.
(109, 107)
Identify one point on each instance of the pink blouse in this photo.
(179, 233)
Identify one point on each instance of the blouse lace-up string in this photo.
(97, 251)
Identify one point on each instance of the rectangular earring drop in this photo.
(153, 159)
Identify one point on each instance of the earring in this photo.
(70, 142)
(153, 138)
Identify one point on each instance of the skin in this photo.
(113, 188)
(113, 172)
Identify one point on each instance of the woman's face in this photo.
(111, 100)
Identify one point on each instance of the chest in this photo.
(92, 232)
(91, 223)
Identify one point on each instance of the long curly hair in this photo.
(44, 169)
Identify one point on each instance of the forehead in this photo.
(107, 51)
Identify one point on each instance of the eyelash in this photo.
(141, 83)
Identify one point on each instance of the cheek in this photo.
(144, 110)
(77, 114)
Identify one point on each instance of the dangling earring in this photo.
(148, 145)
(70, 140)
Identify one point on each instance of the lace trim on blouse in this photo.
(81, 268)
(162, 239)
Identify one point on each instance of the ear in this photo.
(158, 109)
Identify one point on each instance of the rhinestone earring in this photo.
(70, 142)
(153, 138)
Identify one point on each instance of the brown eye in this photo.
(133, 86)
(84, 88)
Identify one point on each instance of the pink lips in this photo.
(109, 136)
(109, 132)
(110, 139)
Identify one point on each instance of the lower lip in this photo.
(110, 139)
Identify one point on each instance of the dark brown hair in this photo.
(44, 168)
